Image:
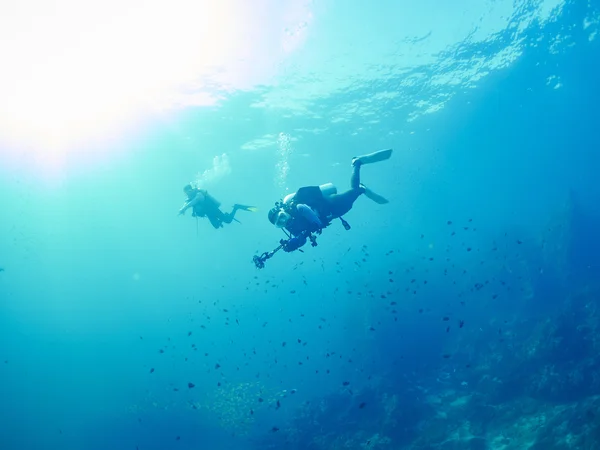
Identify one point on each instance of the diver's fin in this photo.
(246, 208)
(373, 196)
(380, 155)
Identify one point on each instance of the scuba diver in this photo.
(205, 205)
(306, 212)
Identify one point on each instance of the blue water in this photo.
(463, 314)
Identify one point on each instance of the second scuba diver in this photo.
(205, 205)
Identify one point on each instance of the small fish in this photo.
(152, 370)
(191, 385)
(345, 383)
(362, 405)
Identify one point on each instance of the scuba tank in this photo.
(208, 206)
(327, 190)
(209, 200)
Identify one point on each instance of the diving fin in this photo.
(373, 196)
(380, 155)
(246, 208)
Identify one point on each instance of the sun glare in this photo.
(73, 71)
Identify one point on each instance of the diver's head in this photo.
(188, 189)
(278, 217)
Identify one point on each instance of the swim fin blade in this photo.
(246, 208)
(373, 196)
(380, 155)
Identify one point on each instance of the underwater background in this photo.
(464, 314)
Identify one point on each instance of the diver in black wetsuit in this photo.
(312, 208)
(205, 205)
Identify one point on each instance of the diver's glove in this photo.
(293, 244)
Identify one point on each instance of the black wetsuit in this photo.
(327, 208)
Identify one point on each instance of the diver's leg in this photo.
(215, 221)
(355, 177)
(230, 217)
(340, 204)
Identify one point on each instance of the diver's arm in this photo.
(309, 215)
(183, 209)
(294, 243)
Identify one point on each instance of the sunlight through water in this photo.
(75, 73)
(77, 77)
